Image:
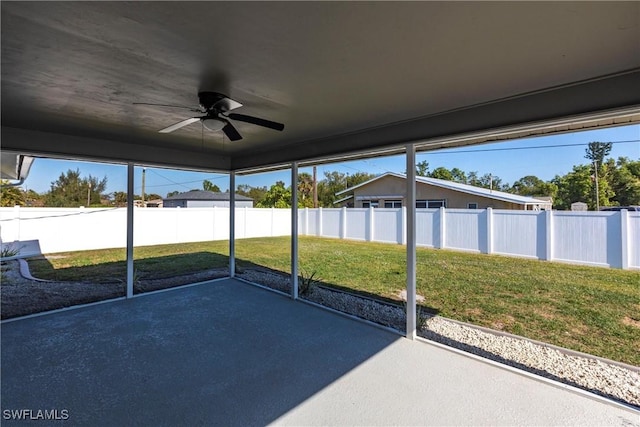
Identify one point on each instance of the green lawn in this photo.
(589, 309)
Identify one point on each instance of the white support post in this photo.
(306, 221)
(489, 230)
(443, 228)
(294, 230)
(624, 239)
(130, 271)
(372, 226)
(411, 242)
(319, 224)
(232, 224)
(549, 235)
(343, 223)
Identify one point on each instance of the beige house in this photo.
(389, 190)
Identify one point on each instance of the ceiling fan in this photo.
(215, 107)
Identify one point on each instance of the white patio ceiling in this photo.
(344, 77)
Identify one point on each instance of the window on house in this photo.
(393, 203)
(431, 204)
(472, 206)
(370, 204)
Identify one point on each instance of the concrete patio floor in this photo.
(228, 353)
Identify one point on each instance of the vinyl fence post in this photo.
(403, 225)
(273, 220)
(372, 226)
(624, 239)
(489, 230)
(443, 228)
(306, 221)
(549, 234)
(343, 223)
(319, 224)
(16, 216)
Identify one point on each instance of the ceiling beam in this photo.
(48, 144)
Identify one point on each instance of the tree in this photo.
(604, 191)
(33, 198)
(209, 186)
(332, 183)
(172, 193)
(596, 152)
(533, 186)
(459, 175)
(624, 179)
(473, 179)
(422, 168)
(255, 193)
(278, 196)
(305, 190)
(489, 181)
(120, 198)
(441, 173)
(573, 187)
(70, 190)
(11, 195)
(358, 178)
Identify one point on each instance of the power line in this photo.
(181, 183)
(521, 148)
(372, 164)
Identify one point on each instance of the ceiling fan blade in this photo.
(180, 124)
(226, 104)
(195, 110)
(256, 121)
(231, 132)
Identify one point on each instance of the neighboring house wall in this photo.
(174, 204)
(206, 199)
(217, 204)
(392, 188)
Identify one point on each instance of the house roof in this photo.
(456, 186)
(206, 195)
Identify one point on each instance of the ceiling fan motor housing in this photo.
(210, 99)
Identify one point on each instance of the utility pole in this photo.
(89, 195)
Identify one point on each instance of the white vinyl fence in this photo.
(71, 229)
(609, 239)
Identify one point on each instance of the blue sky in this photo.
(508, 160)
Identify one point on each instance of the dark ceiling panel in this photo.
(327, 70)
